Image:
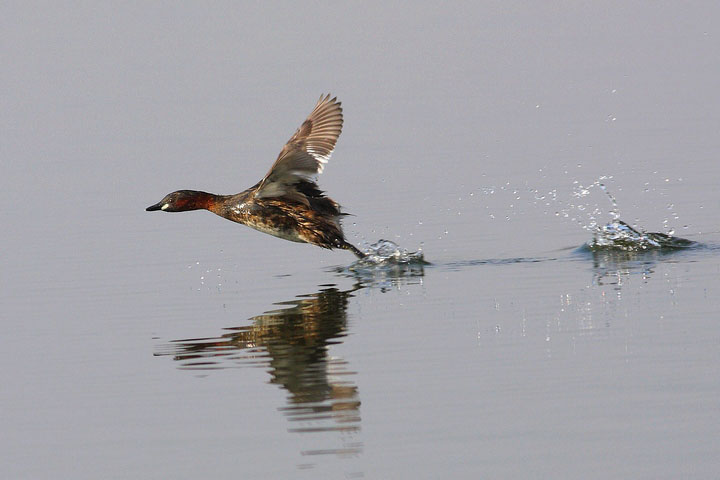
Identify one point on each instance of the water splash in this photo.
(385, 252)
(386, 265)
(615, 235)
(581, 208)
(618, 235)
(614, 210)
(586, 218)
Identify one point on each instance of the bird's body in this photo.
(287, 202)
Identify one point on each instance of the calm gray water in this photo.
(148, 345)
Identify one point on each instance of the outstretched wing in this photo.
(304, 156)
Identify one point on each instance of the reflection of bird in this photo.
(287, 203)
(293, 342)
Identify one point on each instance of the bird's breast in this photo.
(267, 220)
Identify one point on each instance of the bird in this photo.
(287, 203)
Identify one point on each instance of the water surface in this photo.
(184, 346)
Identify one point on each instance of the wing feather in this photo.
(304, 156)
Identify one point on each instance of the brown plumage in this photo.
(287, 202)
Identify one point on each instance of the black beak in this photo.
(152, 208)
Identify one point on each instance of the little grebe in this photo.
(287, 203)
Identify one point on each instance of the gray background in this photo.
(470, 130)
